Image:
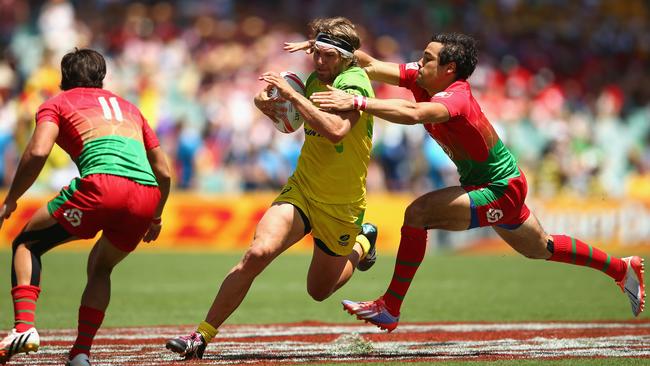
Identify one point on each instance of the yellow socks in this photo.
(365, 245)
(207, 331)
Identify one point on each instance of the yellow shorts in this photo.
(334, 227)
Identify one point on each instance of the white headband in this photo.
(321, 39)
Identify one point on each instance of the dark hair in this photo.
(458, 48)
(82, 68)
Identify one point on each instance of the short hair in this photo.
(458, 48)
(83, 68)
(339, 27)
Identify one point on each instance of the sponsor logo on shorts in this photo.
(494, 215)
(286, 189)
(344, 240)
(73, 215)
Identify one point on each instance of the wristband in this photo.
(359, 102)
(156, 220)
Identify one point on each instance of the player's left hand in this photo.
(6, 209)
(273, 78)
(153, 231)
(333, 99)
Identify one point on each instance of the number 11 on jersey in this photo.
(108, 113)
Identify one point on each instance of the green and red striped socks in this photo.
(25, 298)
(412, 247)
(566, 249)
(89, 322)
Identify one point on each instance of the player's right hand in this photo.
(5, 211)
(271, 107)
(153, 231)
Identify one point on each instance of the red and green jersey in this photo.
(468, 138)
(102, 133)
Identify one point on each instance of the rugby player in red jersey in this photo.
(492, 188)
(123, 185)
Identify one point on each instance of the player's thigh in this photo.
(40, 220)
(43, 232)
(447, 209)
(104, 255)
(529, 239)
(326, 269)
(280, 228)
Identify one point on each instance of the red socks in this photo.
(89, 322)
(25, 298)
(570, 250)
(412, 247)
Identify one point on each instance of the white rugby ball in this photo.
(291, 120)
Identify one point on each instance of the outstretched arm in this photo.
(386, 72)
(394, 110)
(30, 166)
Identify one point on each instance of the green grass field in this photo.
(171, 288)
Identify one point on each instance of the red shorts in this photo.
(499, 203)
(120, 207)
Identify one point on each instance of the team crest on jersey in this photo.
(412, 66)
(73, 215)
(344, 240)
(443, 94)
(494, 215)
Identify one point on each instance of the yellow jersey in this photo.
(336, 173)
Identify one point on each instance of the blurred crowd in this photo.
(566, 84)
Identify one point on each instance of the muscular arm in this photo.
(160, 168)
(395, 110)
(386, 72)
(31, 164)
(406, 112)
(330, 124)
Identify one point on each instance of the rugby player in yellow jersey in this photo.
(326, 195)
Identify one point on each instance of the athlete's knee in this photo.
(415, 215)
(318, 293)
(536, 252)
(257, 257)
(100, 269)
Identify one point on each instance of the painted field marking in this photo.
(321, 342)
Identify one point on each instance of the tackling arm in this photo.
(395, 110)
(386, 72)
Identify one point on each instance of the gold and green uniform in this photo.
(329, 184)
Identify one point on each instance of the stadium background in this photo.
(567, 90)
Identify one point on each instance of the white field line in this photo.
(288, 345)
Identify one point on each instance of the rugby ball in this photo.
(291, 120)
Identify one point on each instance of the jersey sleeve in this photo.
(149, 136)
(457, 102)
(49, 112)
(407, 75)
